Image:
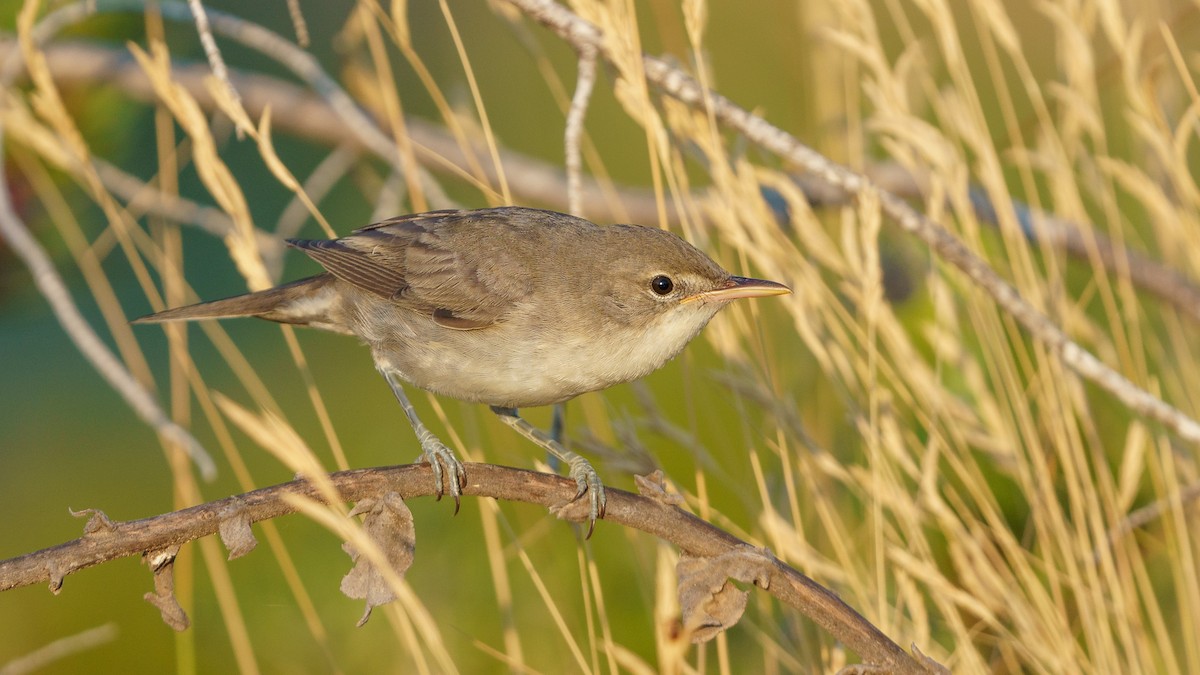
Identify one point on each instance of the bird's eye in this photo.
(661, 284)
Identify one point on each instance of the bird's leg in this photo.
(432, 449)
(557, 422)
(585, 476)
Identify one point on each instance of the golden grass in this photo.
(945, 474)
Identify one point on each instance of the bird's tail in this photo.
(300, 302)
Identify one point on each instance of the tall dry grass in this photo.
(918, 453)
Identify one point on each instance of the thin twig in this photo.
(298, 23)
(52, 287)
(329, 171)
(1186, 498)
(211, 51)
(255, 37)
(573, 135)
(60, 649)
(299, 112)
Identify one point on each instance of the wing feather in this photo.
(432, 263)
(355, 267)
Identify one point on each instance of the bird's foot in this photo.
(586, 478)
(441, 458)
(444, 464)
(588, 482)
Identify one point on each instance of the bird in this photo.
(511, 307)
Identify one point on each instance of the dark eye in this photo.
(661, 284)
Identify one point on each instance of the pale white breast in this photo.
(505, 368)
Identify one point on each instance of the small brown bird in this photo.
(511, 307)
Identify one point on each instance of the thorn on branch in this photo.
(58, 573)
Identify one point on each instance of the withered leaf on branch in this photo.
(389, 524)
(162, 563)
(235, 531)
(654, 486)
(98, 522)
(708, 600)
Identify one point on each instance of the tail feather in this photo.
(296, 302)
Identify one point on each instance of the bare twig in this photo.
(298, 22)
(573, 134)
(1187, 497)
(690, 534)
(1144, 272)
(677, 84)
(322, 179)
(42, 657)
(52, 287)
(211, 51)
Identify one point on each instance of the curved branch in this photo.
(107, 540)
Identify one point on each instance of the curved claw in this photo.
(442, 460)
(589, 483)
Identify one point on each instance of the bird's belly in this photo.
(518, 378)
(501, 365)
(514, 373)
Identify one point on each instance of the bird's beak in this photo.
(739, 287)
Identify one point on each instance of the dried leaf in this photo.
(162, 562)
(235, 531)
(99, 521)
(654, 486)
(389, 524)
(708, 600)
